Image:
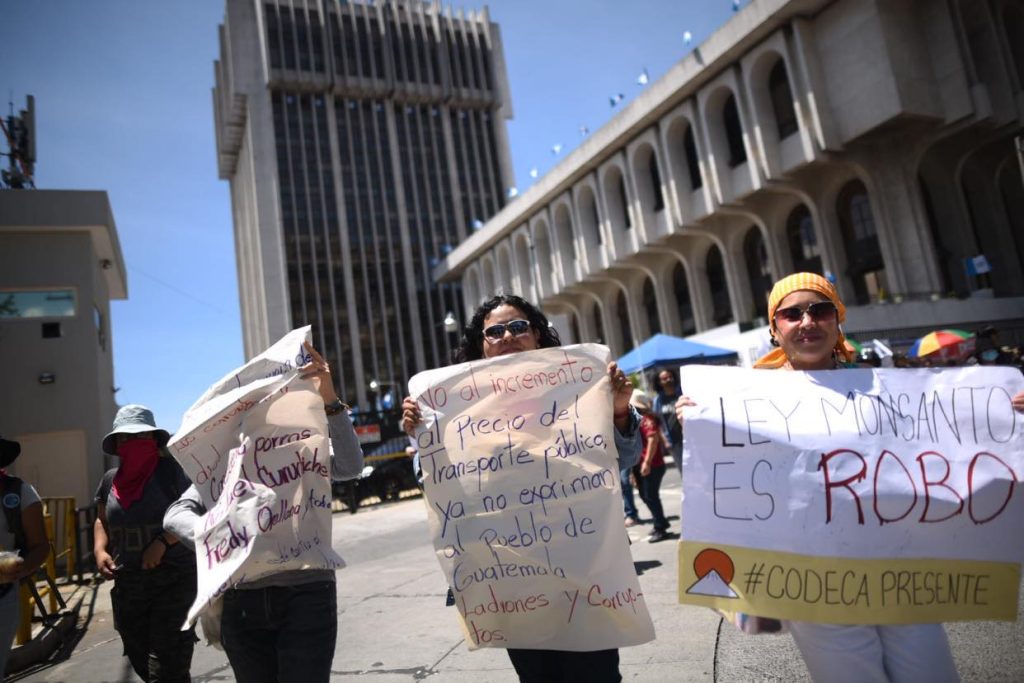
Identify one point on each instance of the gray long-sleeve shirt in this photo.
(184, 514)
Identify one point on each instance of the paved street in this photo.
(393, 626)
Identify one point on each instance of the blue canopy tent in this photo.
(664, 350)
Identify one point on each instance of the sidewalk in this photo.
(393, 626)
(51, 635)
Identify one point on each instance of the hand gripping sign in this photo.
(853, 496)
(522, 491)
(255, 445)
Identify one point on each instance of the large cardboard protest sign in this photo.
(853, 496)
(522, 489)
(256, 447)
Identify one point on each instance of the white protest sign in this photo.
(853, 496)
(522, 490)
(256, 447)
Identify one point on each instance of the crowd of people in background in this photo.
(987, 351)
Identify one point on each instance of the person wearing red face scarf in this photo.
(154, 575)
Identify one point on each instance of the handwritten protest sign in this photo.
(853, 496)
(255, 445)
(522, 489)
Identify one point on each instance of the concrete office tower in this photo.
(363, 142)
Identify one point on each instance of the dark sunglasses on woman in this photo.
(516, 327)
(819, 311)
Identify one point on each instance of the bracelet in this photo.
(160, 537)
(335, 407)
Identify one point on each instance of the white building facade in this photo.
(869, 140)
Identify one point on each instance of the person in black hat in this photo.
(21, 531)
(154, 575)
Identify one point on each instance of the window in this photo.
(101, 331)
(733, 132)
(622, 310)
(652, 167)
(758, 271)
(651, 307)
(692, 163)
(860, 239)
(598, 325)
(588, 214)
(1013, 20)
(624, 204)
(782, 100)
(715, 268)
(684, 307)
(273, 35)
(803, 243)
(42, 303)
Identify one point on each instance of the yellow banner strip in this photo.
(841, 590)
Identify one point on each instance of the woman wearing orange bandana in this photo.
(154, 575)
(805, 314)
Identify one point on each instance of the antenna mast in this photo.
(20, 134)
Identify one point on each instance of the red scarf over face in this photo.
(139, 458)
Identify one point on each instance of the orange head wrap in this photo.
(794, 283)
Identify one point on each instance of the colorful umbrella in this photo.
(943, 344)
(854, 345)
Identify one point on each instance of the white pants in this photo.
(868, 654)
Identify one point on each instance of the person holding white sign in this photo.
(805, 314)
(283, 626)
(507, 324)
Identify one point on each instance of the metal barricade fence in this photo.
(63, 534)
(29, 591)
(85, 519)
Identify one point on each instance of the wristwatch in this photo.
(335, 407)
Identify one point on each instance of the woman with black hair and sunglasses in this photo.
(507, 324)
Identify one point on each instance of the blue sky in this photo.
(123, 104)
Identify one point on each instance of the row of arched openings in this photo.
(865, 267)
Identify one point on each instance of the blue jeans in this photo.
(650, 494)
(281, 633)
(628, 504)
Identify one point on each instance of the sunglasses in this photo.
(820, 311)
(518, 328)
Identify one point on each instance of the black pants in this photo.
(150, 607)
(561, 666)
(280, 634)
